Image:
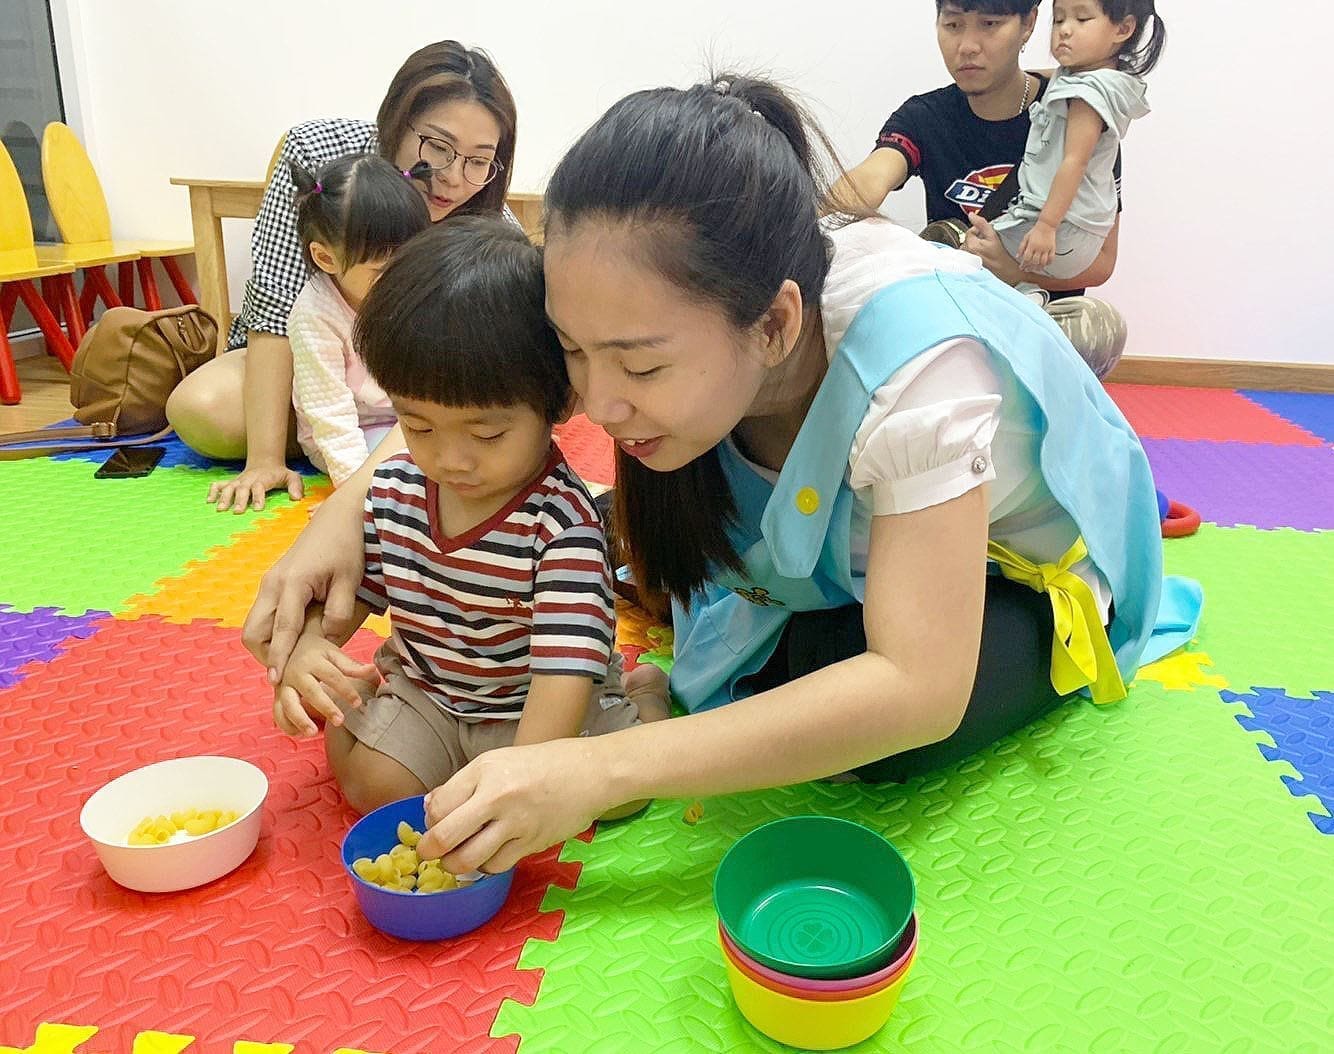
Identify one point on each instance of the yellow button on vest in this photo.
(808, 500)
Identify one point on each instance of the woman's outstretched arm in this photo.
(324, 564)
(925, 590)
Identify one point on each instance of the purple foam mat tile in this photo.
(1257, 484)
(1313, 411)
(37, 636)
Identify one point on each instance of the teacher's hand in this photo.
(324, 564)
(510, 803)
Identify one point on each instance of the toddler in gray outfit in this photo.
(1067, 198)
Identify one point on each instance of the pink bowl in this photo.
(806, 995)
(819, 989)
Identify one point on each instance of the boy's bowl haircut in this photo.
(458, 318)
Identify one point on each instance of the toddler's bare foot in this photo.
(646, 687)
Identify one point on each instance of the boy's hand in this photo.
(317, 668)
(1038, 248)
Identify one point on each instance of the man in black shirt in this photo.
(963, 140)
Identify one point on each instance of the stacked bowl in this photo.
(817, 930)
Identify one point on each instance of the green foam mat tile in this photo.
(78, 543)
(1268, 604)
(1123, 879)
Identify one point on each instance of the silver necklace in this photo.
(1024, 105)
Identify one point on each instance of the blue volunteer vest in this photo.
(794, 535)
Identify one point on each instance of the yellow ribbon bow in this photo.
(1081, 654)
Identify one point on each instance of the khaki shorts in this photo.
(399, 720)
(1077, 248)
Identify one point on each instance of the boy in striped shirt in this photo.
(481, 542)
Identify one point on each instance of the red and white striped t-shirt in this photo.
(474, 617)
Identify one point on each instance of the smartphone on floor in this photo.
(130, 462)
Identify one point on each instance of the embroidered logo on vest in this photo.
(759, 596)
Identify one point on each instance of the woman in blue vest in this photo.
(897, 516)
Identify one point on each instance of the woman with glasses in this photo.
(448, 118)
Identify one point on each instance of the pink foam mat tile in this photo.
(1204, 413)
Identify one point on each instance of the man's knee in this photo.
(1097, 330)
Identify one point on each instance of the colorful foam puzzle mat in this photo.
(1152, 876)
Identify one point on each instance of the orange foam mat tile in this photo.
(222, 586)
(275, 952)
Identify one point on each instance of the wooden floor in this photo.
(45, 395)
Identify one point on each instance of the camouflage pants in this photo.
(1094, 327)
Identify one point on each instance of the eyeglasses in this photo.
(440, 155)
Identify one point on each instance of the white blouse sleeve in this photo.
(926, 438)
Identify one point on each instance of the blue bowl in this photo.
(416, 916)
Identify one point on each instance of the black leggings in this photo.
(1012, 687)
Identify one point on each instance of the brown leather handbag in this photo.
(126, 367)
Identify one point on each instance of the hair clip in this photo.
(319, 187)
(724, 87)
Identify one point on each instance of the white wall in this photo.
(1221, 250)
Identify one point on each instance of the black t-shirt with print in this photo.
(960, 157)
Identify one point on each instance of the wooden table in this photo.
(527, 209)
(213, 200)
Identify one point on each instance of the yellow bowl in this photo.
(812, 1024)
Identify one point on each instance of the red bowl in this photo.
(818, 989)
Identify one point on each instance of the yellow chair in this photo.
(20, 266)
(80, 210)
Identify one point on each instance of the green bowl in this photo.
(815, 896)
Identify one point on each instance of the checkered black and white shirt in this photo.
(278, 266)
(278, 271)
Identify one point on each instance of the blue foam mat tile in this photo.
(1302, 730)
(1312, 411)
(177, 455)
